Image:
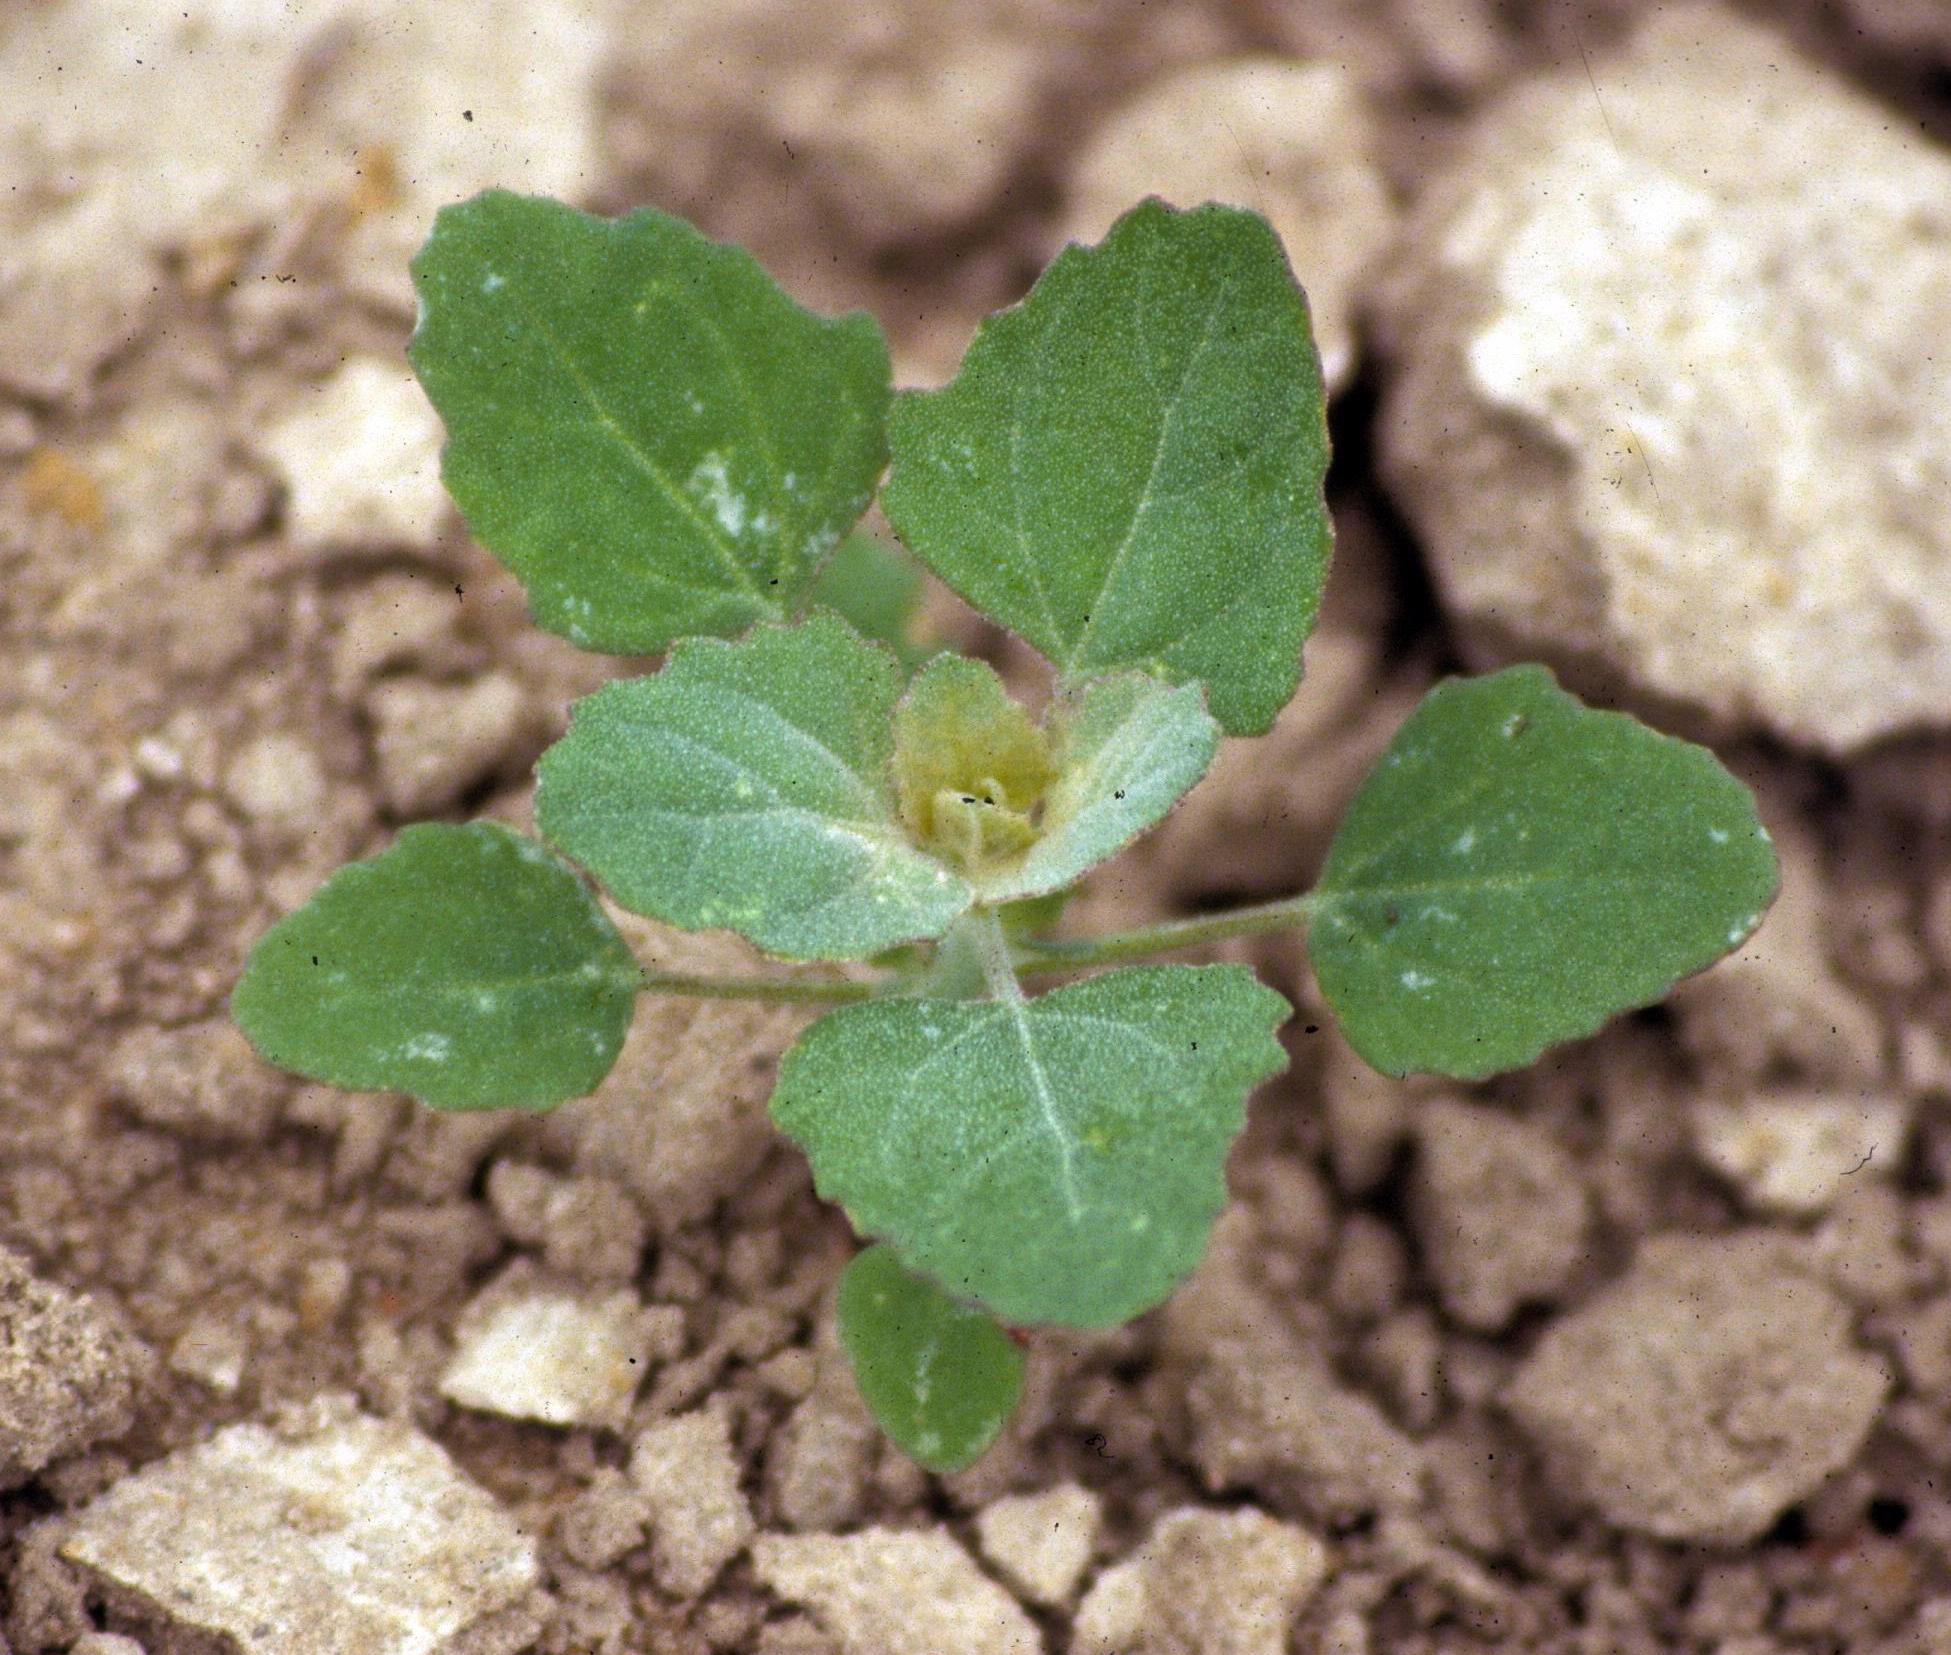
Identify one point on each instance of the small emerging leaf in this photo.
(464, 965)
(746, 787)
(1128, 747)
(1056, 1160)
(970, 765)
(641, 424)
(1128, 469)
(1021, 814)
(941, 1377)
(876, 587)
(1519, 868)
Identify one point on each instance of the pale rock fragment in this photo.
(1042, 1542)
(133, 131)
(69, 1372)
(1204, 1583)
(700, 1520)
(277, 781)
(1794, 1152)
(819, 1463)
(1660, 410)
(214, 1350)
(328, 1533)
(403, 113)
(359, 454)
(1701, 1395)
(1500, 1210)
(109, 161)
(202, 1080)
(603, 1522)
(433, 742)
(1265, 1410)
(529, 1350)
(1291, 140)
(896, 1592)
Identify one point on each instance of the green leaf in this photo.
(465, 965)
(1056, 1160)
(640, 423)
(877, 587)
(1518, 869)
(1128, 747)
(1128, 469)
(746, 786)
(941, 1377)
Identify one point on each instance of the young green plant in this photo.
(1127, 473)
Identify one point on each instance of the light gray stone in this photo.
(360, 457)
(700, 1519)
(329, 1533)
(1697, 1398)
(269, 115)
(889, 1592)
(1204, 1583)
(530, 1350)
(1499, 1208)
(69, 1372)
(1665, 407)
(1796, 1152)
(1042, 1542)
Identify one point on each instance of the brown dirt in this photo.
(203, 712)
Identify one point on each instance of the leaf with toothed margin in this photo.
(465, 965)
(641, 423)
(1128, 469)
(941, 1377)
(1059, 1159)
(746, 787)
(1518, 869)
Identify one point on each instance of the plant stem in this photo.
(1042, 958)
(794, 991)
(998, 959)
(1004, 962)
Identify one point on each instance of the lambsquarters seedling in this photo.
(1127, 473)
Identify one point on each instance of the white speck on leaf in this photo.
(1466, 841)
(1718, 835)
(491, 282)
(431, 1047)
(1417, 981)
(713, 480)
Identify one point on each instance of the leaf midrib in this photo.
(714, 536)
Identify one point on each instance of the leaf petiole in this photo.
(1037, 957)
(792, 991)
(1004, 959)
